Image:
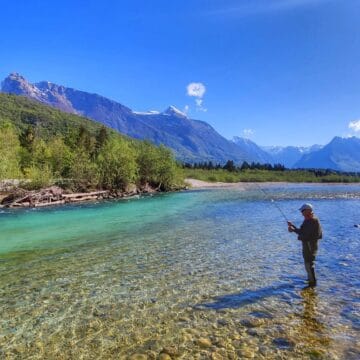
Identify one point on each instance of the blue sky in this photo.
(282, 72)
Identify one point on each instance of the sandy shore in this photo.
(199, 184)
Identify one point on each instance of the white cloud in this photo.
(354, 125)
(248, 133)
(199, 102)
(186, 109)
(196, 89)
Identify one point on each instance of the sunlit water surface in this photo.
(195, 275)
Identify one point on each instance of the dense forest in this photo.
(44, 146)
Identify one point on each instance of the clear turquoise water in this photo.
(130, 278)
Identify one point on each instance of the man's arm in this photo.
(293, 228)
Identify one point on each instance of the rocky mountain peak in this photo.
(173, 111)
(16, 76)
(17, 84)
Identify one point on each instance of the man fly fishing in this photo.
(309, 233)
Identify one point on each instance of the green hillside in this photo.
(47, 121)
(47, 146)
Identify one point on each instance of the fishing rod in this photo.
(272, 201)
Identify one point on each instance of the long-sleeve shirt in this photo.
(310, 230)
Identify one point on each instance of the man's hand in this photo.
(291, 226)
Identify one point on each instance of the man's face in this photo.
(307, 213)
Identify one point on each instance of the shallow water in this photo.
(201, 274)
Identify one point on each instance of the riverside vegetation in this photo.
(254, 172)
(43, 146)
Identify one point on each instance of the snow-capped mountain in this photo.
(289, 155)
(341, 154)
(191, 140)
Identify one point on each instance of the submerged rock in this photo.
(252, 323)
(164, 356)
(282, 343)
(204, 343)
(169, 350)
(138, 357)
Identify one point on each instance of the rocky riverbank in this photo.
(17, 197)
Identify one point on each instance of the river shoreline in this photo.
(195, 184)
(55, 196)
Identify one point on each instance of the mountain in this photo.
(288, 155)
(255, 152)
(46, 121)
(341, 154)
(191, 140)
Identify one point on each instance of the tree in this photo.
(229, 166)
(117, 164)
(147, 161)
(27, 137)
(168, 172)
(101, 138)
(60, 157)
(85, 140)
(9, 152)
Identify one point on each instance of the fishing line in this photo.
(272, 201)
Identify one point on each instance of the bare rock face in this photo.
(43, 92)
(17, 84)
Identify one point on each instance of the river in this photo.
(206, 274)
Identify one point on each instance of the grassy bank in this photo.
(256, 175)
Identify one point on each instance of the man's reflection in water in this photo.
(309, 316)
(311, 327)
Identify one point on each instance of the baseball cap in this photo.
(306, 207)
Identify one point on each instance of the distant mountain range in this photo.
(191, 140)
(341, 154)
(289, 155)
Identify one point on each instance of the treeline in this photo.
(45, 146)
(256, 172)
(83, 161)
(230, 166)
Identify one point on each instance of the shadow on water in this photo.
(232, 301)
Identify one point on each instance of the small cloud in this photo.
(354, 125)
(197, 90)
(186, 109)
(248, 133)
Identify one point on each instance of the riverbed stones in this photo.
(252, 323)
(216, 356)
(283, 343)
(152, 355)
(222, 322)
(170, 350)
(246, 353)
(164, 356)
(204, 343)
(138, 357)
